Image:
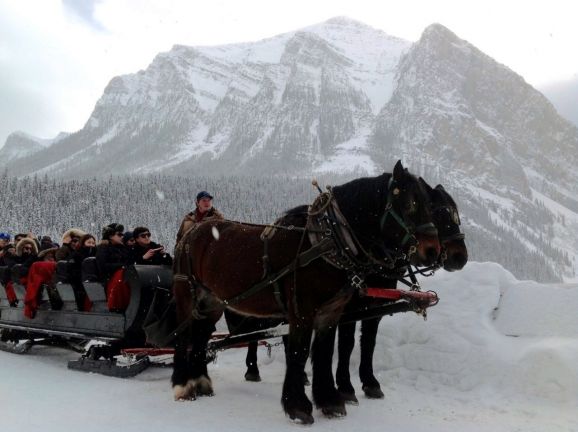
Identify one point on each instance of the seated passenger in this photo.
(46, 242)
(4, 241)
(7, 254)
(19, 237)
(128, 239)
(112, 256)
(26, 254)
(47, 254)
(69, 244)
(147, 252)
(86, 249)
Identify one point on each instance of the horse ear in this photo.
(398, 170)
(440, 187)
(425, 184)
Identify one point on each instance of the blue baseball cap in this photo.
(203, 194)
(4, 236)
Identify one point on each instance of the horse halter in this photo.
(428, 228)
(454, 233)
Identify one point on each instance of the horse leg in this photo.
(202, 331)
(345, 344)
(325, 395)
(183, 386)
(370, 385)
(286, 346)
(294, 400)
(252, 373)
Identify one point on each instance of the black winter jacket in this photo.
(111, 257)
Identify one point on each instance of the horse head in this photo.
(454, 254)
(391, 216)
(407, 219)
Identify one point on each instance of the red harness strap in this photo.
(384, 293)
(428, 297)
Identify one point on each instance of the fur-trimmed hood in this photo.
(26, 241)
(72, 232)
(45, 252)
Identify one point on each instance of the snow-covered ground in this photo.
(495, 355)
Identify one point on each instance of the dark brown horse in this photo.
(220, 261)
(454, 256)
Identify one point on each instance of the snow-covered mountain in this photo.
(283, 103)
(341, 97)
(20, 145)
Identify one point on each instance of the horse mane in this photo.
(363, 200)
(296, 216)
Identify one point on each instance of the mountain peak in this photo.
(438, 32)
(346, 22)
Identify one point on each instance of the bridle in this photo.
(427, 228)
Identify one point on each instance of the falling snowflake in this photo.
(216, 233)
(160, 195)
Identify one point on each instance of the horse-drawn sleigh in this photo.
(312, 269)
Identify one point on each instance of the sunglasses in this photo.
(119, 234)
(74, 240)
(144, 235)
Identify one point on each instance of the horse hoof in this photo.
(373, 392)
(184, 392)
(301, 417)
(334, 411)
(252, 376)
(349, 398)
(204, 386)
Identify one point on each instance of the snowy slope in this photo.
(456, 371)
(19, 145)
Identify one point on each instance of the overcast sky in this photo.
(56, 56)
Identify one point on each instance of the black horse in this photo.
(453, 257)
(221, 262)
